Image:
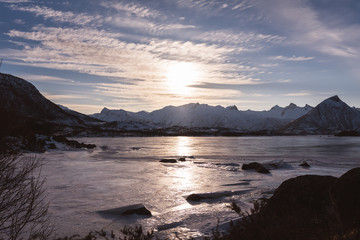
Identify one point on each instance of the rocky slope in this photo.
(26, 113)
(329, 117)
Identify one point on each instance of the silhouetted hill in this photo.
(25, 112)
(329, 117)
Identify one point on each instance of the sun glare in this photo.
(180, 75)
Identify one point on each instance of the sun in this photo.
(181, 75)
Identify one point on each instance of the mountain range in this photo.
(195, 115)
(26, 112)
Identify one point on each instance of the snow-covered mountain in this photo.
(290, 112)
(195, 115)
(329, 117)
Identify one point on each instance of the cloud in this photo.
(59, 16)
(146, 26)
(292, 59)
(57, 97)
(91, 51)
(83, 108)
(52, 79)
(297, 94)
(249, 41)
(19, 21)
(14, 1)
(304, 27)
(132, 9)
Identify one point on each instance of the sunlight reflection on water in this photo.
(184, 146)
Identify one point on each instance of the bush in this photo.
(23, 207)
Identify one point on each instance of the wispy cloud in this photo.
(57, 97)
(297, 94)
(292, 59)
(58, 16)
(19, 21)
(304, 27)
(248, 40)
(131, 9)
(102, 53)
(14, 1)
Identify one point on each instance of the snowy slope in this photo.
(290, 112)
(329, 117)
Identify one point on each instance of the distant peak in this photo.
(292, 106)
(234, 107)
(335, 98)
(104, 110)
(275, 107)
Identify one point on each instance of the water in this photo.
(127, 171)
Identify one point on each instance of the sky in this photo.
(144, 55)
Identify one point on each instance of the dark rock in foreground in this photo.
(308, 207)
(304, 165)
(346, 196)
(114, 213)
(139, 211)
(255, 166)
(197, 197)
(168, 160)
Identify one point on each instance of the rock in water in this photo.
(255, 166)
(195, 197)
(138, 209)
(304, 165)
(168, 160)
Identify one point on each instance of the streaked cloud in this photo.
(131, 9)
(305, 27)
(58, 16)
(292, 59)
(14, 1)
(297, 94)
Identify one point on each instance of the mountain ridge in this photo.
(207, 116)
(27, 112)
(328, 117)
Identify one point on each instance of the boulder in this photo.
(195, 197)
(114, 213)
(168, 160)
(182, 159)
(304, 164)
(139, 211)
(255, 166)
(346, 196)
(310, 207)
